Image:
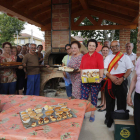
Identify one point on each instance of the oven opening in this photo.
(56, 58)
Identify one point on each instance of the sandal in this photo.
(99, 106)
(100, 110)
(92, 119)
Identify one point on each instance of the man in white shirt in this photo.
(132, 56)
(117, 68)
(106, 43)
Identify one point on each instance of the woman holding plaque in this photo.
(92, 60)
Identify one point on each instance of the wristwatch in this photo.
(124, 78)
(102, 78)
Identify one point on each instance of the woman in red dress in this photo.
(92, 60)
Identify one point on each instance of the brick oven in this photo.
(56, 39)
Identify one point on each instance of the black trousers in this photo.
(120, 93)
(137, 115)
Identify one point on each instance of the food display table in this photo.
(11, 127)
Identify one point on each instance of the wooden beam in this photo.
(102, 15)
(79, 8)
(104, 27)
(46, 21)
(22, 4)
(6, 7)
(91, 19)
(113, 13)
(112, 7)
(43, 16)
(82, 17)
(126, 4)
(84, 4)
(136, 19)
(37, 4)
(41, 11)
(30, 5)
(16, 2)
(136, 1)
(76, 7)
(99, 21)
(46, 27)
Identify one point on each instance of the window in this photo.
(22, 41)
(33, 41)
(29, 40)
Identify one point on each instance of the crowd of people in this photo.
(115, 74)
(14, 81)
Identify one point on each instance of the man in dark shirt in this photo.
(33, 74)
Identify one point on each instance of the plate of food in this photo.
(45, 115)
(56, 65)
(66, 69)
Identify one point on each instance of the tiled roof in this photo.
(22, 35)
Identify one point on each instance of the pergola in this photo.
(38, 12)
(125, 13)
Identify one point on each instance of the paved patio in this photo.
(97, 130)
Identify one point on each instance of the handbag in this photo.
(120, 114)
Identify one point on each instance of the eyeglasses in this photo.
(68, 49)
(116, 46)
(128, 46)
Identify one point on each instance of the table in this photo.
(11, 127)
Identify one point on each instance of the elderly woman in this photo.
(14, 51)
(8, 76)
(92, 60)
(135, 83)
(102, 106)
(75, 63)
(40, 55)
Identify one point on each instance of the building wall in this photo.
(124, 38)
(26, 40)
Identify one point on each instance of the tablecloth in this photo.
(11, 127)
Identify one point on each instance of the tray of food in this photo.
(56, 65)
(48, 114)
(66, 69)
(90, 75)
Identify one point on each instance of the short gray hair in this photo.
(32, 44)
(19, 45)
(107, 41)
(129, 43)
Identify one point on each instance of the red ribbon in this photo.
(109, 87)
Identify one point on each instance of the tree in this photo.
(97, 34)
(103, 34)
(133, 39)
(9, 27)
